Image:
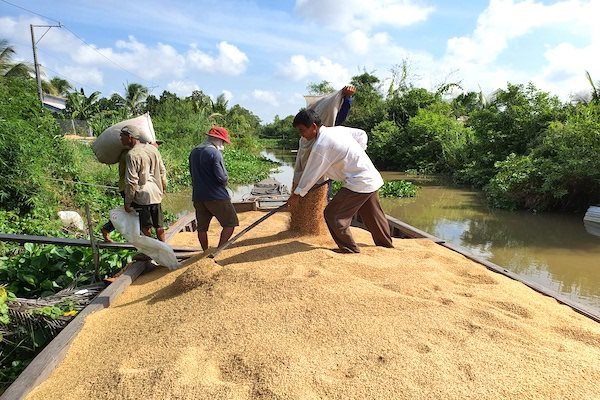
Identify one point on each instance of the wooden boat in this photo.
(591, 220)
(47, 360)
(268, 193)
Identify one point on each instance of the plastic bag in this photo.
(129, 226)
(108, 146)
(71, 218)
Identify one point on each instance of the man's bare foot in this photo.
(106, 235)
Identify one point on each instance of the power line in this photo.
(103, 55)
(64, 76)
(29, 11)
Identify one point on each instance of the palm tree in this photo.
(220, 106)
(135, 96)
(595, 91)
(80, 106)
(57, 86)
(7, 66)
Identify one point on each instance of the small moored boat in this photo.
(591, 220)
(269, 193)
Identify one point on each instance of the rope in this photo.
(84, 183)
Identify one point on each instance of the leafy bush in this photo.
(399, 188)
(396, 188)
(35, 271)
(28, 148)
(559, 173)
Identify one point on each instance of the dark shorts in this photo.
(151, 215)
(221, 209)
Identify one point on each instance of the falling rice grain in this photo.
(307, 216)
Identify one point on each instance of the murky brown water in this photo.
(551, 249)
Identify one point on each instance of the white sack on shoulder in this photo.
(129, 226)
(326, 106)
(108, 146)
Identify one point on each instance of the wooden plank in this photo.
(401, 229)
(179, 225)
(46, 361)
(7, 237)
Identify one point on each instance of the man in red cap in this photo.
(209, 186)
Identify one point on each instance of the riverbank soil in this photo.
(284, 317)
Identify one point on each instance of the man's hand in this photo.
(127, 208)
(293, 200)
(348, 91)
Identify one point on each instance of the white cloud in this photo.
(229, 61)
(505, 20)
(85, 75)
(182, 88)
(357, 41)
(566, 68)
(299, 67)
(266, 96)
(147, 62)
(355, 14)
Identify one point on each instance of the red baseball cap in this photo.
(220, 133)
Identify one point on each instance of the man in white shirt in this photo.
(338, 153)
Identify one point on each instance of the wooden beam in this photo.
(8, 237)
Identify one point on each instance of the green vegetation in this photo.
(524, 147)
(396, 188)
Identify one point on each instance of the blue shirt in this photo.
(344, 110)
(209, 176)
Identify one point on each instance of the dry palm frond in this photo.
(23, 311)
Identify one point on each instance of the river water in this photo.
(552, 249)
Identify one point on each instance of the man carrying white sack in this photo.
(338, 153)
(333, 111)
(145, 181)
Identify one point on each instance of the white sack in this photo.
(71, 218)
(108, 147)
(129, 226)
(326, 106)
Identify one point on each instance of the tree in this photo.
(80, 106)
(8, 67)
(135, 96)
(368, 107)
(317, 89)
(513, 123)
(220, 106)
(57, 86)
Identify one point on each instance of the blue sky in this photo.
(263, 54)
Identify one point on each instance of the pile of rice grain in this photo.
(202, 273)
(307, 217)
(287, 318)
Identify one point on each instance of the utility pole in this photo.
(36, 65)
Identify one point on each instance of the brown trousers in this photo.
(344, 205)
